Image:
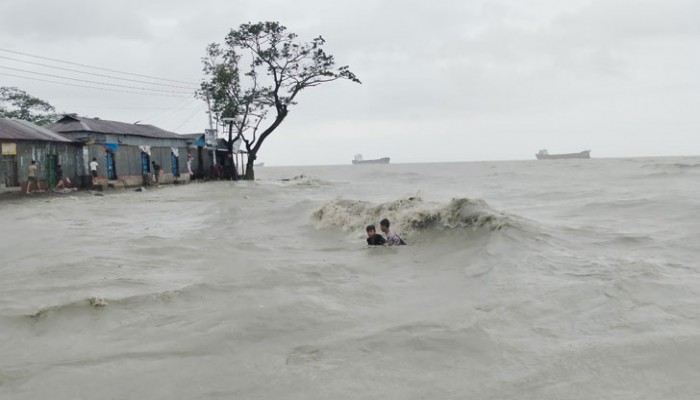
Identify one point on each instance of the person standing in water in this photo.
(189, 165)
(156, 172)
(31, 175)
(392, 239)
(93, 169)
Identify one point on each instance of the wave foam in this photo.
(304, 180)
(410, 214)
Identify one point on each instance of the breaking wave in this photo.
(411, 214)
(305, 180)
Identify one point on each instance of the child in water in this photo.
(391, 238)
(373, 238)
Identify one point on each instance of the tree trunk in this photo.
(249, 171)
(231, 172)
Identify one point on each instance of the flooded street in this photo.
(514, 284)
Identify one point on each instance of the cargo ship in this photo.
(544, 155)
(360, 160)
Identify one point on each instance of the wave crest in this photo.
(98, 302)
(673, 167)
(410, 214)
(305, 180)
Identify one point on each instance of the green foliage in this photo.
(258, 72)
(16, 103)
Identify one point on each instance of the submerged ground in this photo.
(572, 279)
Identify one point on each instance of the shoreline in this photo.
(17, 194)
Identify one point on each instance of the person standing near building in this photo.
(156, 172)
(31, 174)
(93, 169)
(189, 165)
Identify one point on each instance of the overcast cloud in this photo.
(447, 80)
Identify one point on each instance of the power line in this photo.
(175, 111)
(188, 119)
(93, 82)
(92, 87)
(179, 105)
(161, 109)
(93, 74)
(94, 67)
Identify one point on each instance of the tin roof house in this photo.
(124, 152)
(23, 142)
(203, 156)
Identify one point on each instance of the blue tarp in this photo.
(111, 147)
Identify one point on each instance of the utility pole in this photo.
(211, 123)
(233, 171)
(211, 127)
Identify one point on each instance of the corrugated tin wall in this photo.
(128, 159)
(69, 156)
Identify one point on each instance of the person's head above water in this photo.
(384, 225)
(371, 230)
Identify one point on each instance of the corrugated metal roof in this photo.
(74, 123)
(17, 129)
(192, 136)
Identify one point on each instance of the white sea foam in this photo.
(411, 214)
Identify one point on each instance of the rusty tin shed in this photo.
(124, 151)
(23, 142)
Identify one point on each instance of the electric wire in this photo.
(159, 109)
(93, 87)
(94, 67)
(188, 119)
(93, 82)
(96, 74)
(179, 105)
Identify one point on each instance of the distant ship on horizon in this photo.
(360, 160)
(544, 155)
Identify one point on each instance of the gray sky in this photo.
(447, 80)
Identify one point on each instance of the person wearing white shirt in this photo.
(93, 169)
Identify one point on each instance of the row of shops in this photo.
(124, 152)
